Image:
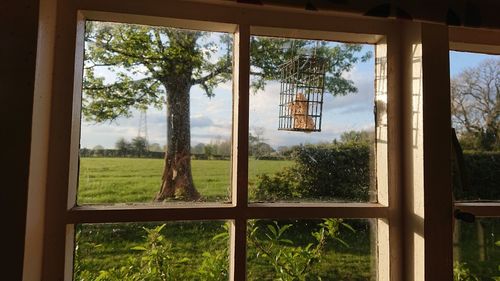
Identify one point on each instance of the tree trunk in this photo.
(177, 179)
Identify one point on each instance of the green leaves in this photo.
(142, 63)
(267, 54)
(461, 272)
(138, 248)
(291, 261)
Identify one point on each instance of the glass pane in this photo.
(156, 115)
(152, 251)
(475, 104)
(312, 123)
(477, 250)
(329, 249)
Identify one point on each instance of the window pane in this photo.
(475, 104)
(312, 126)
(330, 249)
(477, 250)
(150, 91)
(152, 251)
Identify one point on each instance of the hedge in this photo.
(328, 171)
(482, 175)
(342, 172)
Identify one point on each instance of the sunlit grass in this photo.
(126, 180)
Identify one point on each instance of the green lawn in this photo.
(126, 180)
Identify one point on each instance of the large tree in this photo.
(475, 94)
(153, 66)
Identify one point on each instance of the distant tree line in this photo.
(217, 149)
(137, 147)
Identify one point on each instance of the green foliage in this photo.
(215, 264)
(476, 249)
(497, 243)
(171, 253)
(482, 140)
(147, 62)
(156, 261)
(123, 146)
(268, 53)
(482, 176)
(462, 273)
(357, 137)
(348, 174)
(139, 146)
(150, 61)
(282, 185)
(292, 262)
(340, 171)
(261, 150)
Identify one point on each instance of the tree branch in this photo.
(219, 70)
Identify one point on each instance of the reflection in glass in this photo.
(156, 114)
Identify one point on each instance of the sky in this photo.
(211, 117)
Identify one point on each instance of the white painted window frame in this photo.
(403, 172)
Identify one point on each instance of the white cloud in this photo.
(201, 121)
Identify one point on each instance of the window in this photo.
(407, 211)
(130, 68)
(474, 91)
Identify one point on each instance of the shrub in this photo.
(462, 273)
(339, 171)
(342, 171)
(282, 185)
(482, 174)
(292, 262)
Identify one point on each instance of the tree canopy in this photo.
(475, 94)
(145, 59)
(145, 62)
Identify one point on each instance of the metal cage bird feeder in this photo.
(301, 94)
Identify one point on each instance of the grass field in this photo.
(126, 180)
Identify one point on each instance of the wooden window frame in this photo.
(52, 212)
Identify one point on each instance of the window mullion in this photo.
(436, 151)
(427, 140)
(241, 69)
(241, 74)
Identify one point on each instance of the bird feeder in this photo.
(301, 94)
